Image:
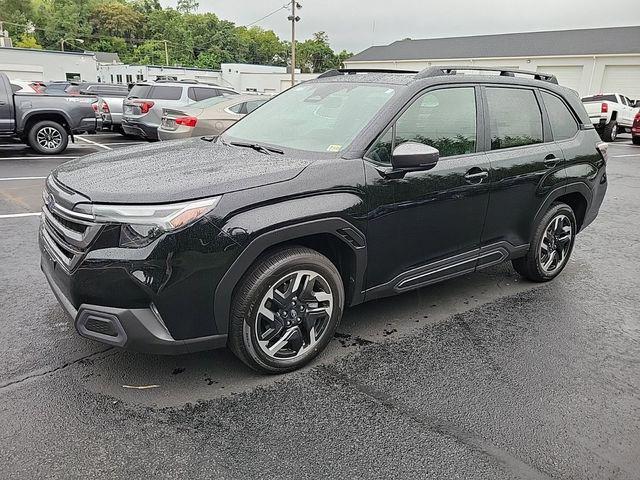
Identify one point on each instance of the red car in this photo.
(635, 130)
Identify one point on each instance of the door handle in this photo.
(476, 175)
(550, 160)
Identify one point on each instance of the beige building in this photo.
(588, 61)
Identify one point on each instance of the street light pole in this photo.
(166, 53)
(294, 18)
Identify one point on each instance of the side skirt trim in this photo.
(447, 268)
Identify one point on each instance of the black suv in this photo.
(351, 187)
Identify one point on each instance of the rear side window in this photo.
(563, 123)
(200, 93)
(600, 98)
(140, 91)
(239, 108)
(162, 92)
(514, 117)
(252, 105)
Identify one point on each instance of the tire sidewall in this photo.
(542, 227)
(250, 306)
(33, 133)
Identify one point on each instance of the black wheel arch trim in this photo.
(335, 226)
(29, 116)
(577, 187)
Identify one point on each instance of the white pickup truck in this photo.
(611, 114)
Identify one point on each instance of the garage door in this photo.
(624, 79)
(567, 75)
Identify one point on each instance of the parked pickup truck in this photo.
(610, 113)
(45, 122)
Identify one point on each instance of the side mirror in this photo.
(414, 156)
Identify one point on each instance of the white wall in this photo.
(590, 81)
(150, 72)
(31, 64)
(243, 78)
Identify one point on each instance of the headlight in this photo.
(141, 224)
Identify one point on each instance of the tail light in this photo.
(94, 105)
(604, 108)
(636, 120)
(105, 107)
(187, 121)
(603, 150)
(144, 105)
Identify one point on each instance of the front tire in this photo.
(551, 245)
(48, 137)
(285, 310)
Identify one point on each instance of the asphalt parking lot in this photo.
(484, 376)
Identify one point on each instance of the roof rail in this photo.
(504, 72)
(353, 71)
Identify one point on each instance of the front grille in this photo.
(67, 234)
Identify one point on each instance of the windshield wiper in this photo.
(257, 147)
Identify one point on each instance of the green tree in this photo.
(27, 41)
(116, 19)
(186, 6)
(315, 55)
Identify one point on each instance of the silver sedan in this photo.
(207, 117)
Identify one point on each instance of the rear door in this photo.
(7, 114)
(525, 163)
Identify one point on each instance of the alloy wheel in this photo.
(49, 138)
(614, 132)
(555, 244)
(293, 315)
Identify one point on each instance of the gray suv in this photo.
(142, 109)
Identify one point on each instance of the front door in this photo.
(426, 225)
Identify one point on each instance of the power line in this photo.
(268, 15)
(91, 36)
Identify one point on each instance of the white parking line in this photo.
(19, 215)
(11, 179)
(50, 157)
(93, 143)
(630, 155)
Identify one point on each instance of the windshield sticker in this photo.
(334, 148)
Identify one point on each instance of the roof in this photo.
(595, 41)
(107, 57)
(41, 50)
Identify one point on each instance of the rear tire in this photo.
(610, 131)
(48, 137)
(285, 310)
(551, 245)
(635, 140)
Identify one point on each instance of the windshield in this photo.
(319, 117)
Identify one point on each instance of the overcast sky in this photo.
(357, 24)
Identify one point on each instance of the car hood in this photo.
(174, 171)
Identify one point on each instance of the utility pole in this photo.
(293, 18)
(166, 53)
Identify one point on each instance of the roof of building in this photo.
(41, 50)
(106, 57)
(594, 41)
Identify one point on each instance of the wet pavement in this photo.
(485, 376)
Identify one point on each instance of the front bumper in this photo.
(138, 329)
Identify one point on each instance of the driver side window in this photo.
(444, 119)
